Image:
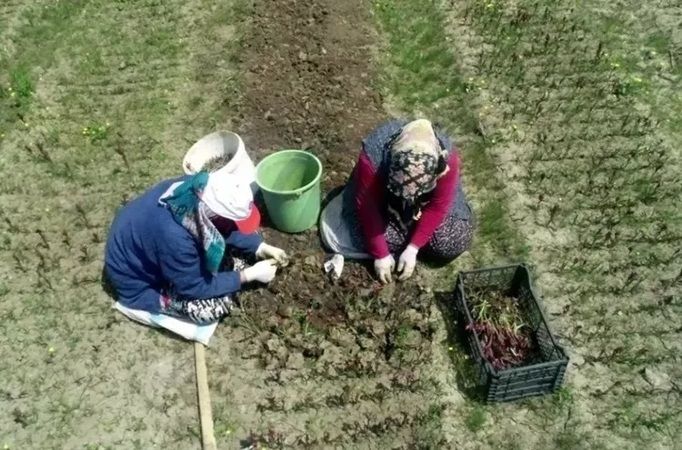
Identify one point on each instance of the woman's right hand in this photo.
(263, 271)
(384, 268)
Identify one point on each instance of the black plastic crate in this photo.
(515, 383)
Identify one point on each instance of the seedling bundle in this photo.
(515, 353)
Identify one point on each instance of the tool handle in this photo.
(205, 412)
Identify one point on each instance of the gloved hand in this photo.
(383, 267)
(268, 251)
(263, 271)
(407, 262)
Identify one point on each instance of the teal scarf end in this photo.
(185, 205)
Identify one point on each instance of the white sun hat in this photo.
(230, 196)
(217, 144)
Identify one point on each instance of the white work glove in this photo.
(268, 251)
(407, 262)
(263, 271)
(383, 267)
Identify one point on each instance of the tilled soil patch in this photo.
(315, 362)
(308, 80)
(342, 364)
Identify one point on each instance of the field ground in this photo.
(569, 119)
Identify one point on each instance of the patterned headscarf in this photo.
(412, 174)
(415, 154)
(416, 161)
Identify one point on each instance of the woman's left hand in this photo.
(407, 262)
(266, 251)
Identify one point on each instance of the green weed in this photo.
(563, 398)
(659, 41)
(476, 419)
(96, 132)
(429, 434)
(307, 328)
(570, 440)
(630, 415)
(225, 429)
(401, 335)
(94, 446)
(21, 85)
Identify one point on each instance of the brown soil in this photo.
(336, 361)
(308, 81)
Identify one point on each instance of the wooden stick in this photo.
(205, 413)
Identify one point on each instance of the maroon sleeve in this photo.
(434, 213)
(369, 196)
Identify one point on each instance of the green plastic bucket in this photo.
(290, 183)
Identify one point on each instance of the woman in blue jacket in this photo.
(165, 249)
